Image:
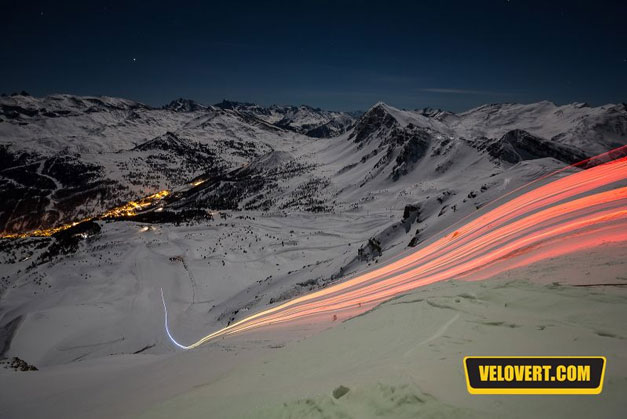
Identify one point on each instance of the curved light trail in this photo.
(167, 328)
(574, 212)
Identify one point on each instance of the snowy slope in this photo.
(403, 359)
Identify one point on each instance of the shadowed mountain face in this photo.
(66, 157)
(518, 145)
(37, 190)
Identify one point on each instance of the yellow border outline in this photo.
(537, 390)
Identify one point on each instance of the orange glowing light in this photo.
(572, 213)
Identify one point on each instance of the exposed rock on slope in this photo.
(518, 145)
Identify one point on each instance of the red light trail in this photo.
(572, 213)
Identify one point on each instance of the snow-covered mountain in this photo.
(590, 129)
(258, 212)
(185, 105)
(313, 122)
(67, 157)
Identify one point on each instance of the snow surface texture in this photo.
(291, 212)
(401, 360)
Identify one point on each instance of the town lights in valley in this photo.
(129, 209)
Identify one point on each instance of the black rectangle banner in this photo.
(534, 374)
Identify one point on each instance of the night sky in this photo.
(336, 55)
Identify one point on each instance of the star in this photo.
(134, 59)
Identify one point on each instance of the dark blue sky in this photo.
(343, 55)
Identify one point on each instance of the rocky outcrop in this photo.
(18, 364)
(518, 145)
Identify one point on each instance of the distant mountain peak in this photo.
(580, 105)
(233, 104)
(304, 119)
(184, 105)
(381, 108)
(380, 105)
(380, 116)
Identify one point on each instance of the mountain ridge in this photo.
(133, 150)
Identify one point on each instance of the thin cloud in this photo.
(462, 91)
